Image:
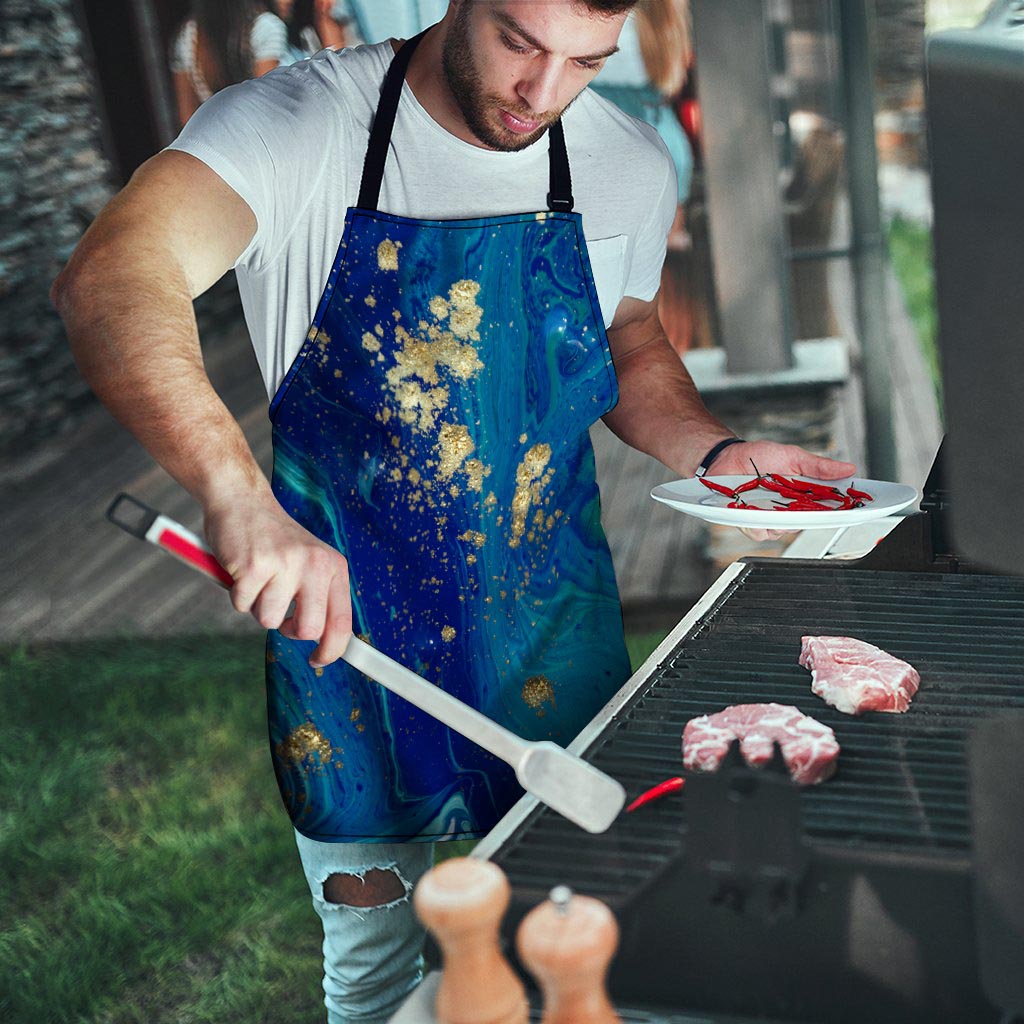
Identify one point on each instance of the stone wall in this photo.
(54, 178)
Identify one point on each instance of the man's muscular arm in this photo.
(126, 301)
(659, 411)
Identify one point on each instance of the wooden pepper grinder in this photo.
(567, 943)
(462, 901)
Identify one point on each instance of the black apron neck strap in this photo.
(559, 197)
(383, 123)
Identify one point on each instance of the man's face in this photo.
(513, 66)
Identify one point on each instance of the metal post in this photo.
(868, 239)
(748, 236)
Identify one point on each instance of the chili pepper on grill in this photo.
(720, 488)
(656, 793)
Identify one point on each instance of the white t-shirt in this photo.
(292, 144)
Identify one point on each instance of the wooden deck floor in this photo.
(71, 574)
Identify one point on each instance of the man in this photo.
(433, 484)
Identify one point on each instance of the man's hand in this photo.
(771, 457)
(274, 562)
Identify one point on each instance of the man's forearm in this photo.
(660, 411)
(133, 332)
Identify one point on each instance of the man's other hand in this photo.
(771, 457)
(274, 562)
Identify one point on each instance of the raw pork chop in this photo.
(809, 748)
(855, 677)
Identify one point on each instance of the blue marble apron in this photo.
(434, 429)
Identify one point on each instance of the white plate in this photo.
(693, 498)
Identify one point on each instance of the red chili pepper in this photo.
(749, 485)
(773, 485)
(863, 495)
(788, 492)
(806, 505)
(815, 490)
(656, 793)
(720, 488)
(793, 485)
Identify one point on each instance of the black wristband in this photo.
(705, 463)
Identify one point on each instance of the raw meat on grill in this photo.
(855, 677)
(809, 748)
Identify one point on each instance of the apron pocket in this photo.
(608, 264)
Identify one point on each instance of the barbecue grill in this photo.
(744, 895)
(894, 892)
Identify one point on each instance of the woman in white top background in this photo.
(223, 42)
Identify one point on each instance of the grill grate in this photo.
(902, 779)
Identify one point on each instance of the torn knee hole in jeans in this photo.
(374, 888)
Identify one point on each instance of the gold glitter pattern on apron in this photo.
(387, 254)
(302, 742)
(531, 479)
(414, 379)
(537, 691)
(454, 445)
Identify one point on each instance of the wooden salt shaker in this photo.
(567, 943)
(462, 901)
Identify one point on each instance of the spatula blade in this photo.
(567, 784)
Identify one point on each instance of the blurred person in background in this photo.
(314, 25)
(223, 42)
(373, 21)
(647, 75)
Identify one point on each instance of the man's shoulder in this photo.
(604, 131)
(353, 70)
(595, 113)
(330, 91)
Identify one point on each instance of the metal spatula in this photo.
(567, 784)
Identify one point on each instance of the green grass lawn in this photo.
(148, 868)
(910, 247)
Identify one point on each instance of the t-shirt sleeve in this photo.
(649, 251)
(268, 139)
(269, 38)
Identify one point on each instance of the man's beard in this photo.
(463, 80)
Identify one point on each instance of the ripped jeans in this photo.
(372, 941)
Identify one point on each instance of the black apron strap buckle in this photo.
(560, 204)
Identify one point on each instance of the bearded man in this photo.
(432, 379)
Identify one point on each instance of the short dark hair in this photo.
(609, 6)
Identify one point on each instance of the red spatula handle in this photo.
(147, 524)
